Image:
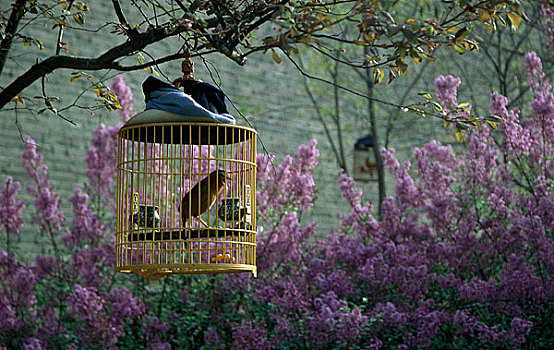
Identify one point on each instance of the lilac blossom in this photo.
(93, 326)
(446, 90)
(124, 97)
(86, 227)
(519, 329)
(547, 18)
(32, 343)
(17, 299)
(249, 335)
(10, 208)
(45, 266)
(101, 160)
(46, 202)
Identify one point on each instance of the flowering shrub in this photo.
(463, 256)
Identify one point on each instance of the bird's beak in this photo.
(228, 177)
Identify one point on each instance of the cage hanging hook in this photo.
(187, 67)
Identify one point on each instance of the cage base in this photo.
(156, 272)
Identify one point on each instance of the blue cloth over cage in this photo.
(205, 100)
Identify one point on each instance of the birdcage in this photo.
(185, 198)
(186, 190)
(365, 166)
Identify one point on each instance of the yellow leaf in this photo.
(391, 77)
(492, 124)
(426, 95)
(369, 38)
(360, 43)
(415, 57)
(489, 27)
(18, 99)
(429, 57)
(276, 57)
(378, 76)
(459, 48)
(411, 21)
(460, 34)
(459, 136)
(484, 15)
(75, 78)
(515, 19)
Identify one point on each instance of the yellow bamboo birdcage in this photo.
(185, 196)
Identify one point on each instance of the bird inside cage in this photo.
(208, 189)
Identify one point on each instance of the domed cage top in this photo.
(186, 199)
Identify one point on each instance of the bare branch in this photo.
(122, 21)
(105, 61)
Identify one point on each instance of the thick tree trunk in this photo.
(18, 10)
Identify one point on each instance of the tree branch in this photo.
(18, 10)
(105, 61)
(131, 33)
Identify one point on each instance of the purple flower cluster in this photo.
(10, 208)
(17, 297)
(86, 227)
(456, 234)
(47, 202)
(547, 18)
(124, 97)
(250, 336)
(462, 257)
(101, 160)
(93, 323)
(100, 319)
(290, 183)
(446, 90)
